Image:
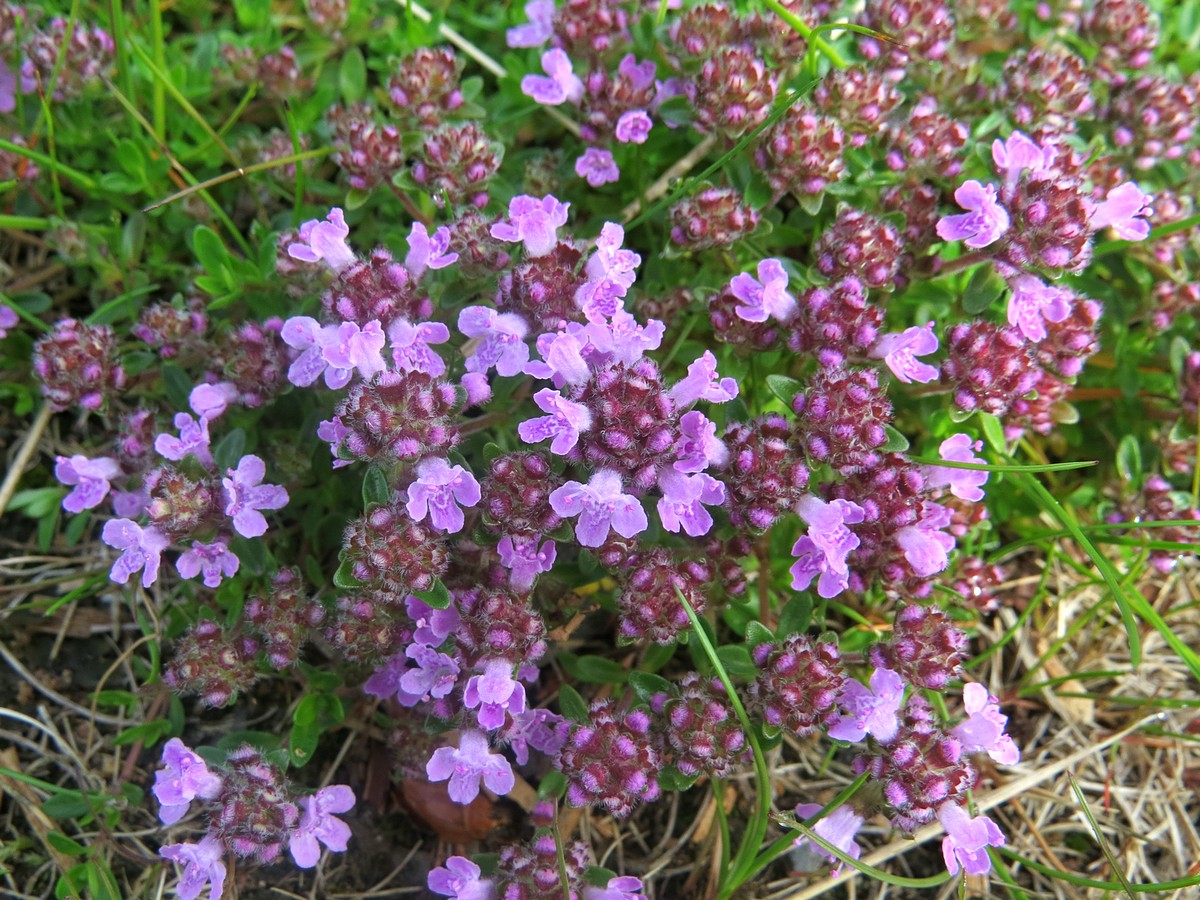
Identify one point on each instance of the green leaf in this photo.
(784, 388)
(671, 779)
(553, 784)
(116, 698)
(320, 679)
(149, 733)
(758, 633)
(796, 616)
(1129, 459)
(67, 805)
(646, 684)
(895, 443)
(436, 597)
(352, 76)
(982, 290)
(344, 576)
(177, 385)
(736, 660)
(994, 432)
(573, 706)
(375, 487)
(228, 451)
(64, 844)
(209, 249)
(593, 669)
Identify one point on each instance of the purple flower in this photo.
(967, 839)
(634, 127)
(925, 546)
(839, 828)
(467, 765)
(610, 259)
(524, 560)
(565, 421)
(476, 387)
(350, 348)
(498, 340)
(560, 83)
(622, 887)
(141, 548)
(600, 505)
(410, 346)
(185, 778)
(193, 439)
(435, 674)
(966, 484)
(209, 401)
(1017, 154)
(870, 711)
(130, 504)
(1125, 210)
(324, 241)
(9, 317)
(91, 478)
(698, 446)
(624, 340)
(202, 863)
(538, 30)
(214, 560)
(318, 823)
(334, 433)
(8, 102)
(562, 357)
(703, 383)
(1032, 302)
(432, 625)
(438, 491)
(537, 728)
(683, 500)
(306, 334)
(983, 224)
(459, 878)
(900, 351)
(823, 551)
(245, 495)
(765, 296)
(597, 167)
(495, 692)
(983, 731)
(386, 682)
(425, 252)
(534, 222)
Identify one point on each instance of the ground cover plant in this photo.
(599, 450)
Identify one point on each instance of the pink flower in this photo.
(925, 545)
(142, 549)
(214, 560)
(533, 221)
(91, 479)
(438, 491)
(683, 501)
(601, 505)
(1017, 154)
(469, 764)
(209, 401)
(597, 167)
(698, 446)
(967, 839)
(839, 828)
(1032, 302)
(634, 127)
(1125, 210)
(245, 495)
(411, 350)
(703, 383)
(184, 778)
(460, 878)
(352, 348)
(537, 31)
(983, 731)
(495, 692)
(564, 424)
(983, 224)
(966, 484)
(622, 887)
(324, 241)
(498, 340)
(872, 711)
(193, 440)
(559, 85)
(8, 315)
(318, 823)
(823, 550)
(203, 864)
(764, 297)
(524, 560)
(425, 252)
(900, 351)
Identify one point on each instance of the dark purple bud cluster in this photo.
(588, 29)
(531, 872)
(255, 359)
(74, 64)
(1044, 408)
(920, 205)
(1050, 224)
(328, 16)
(798, 683)
(400, 415)
(923, 30)
(841, 418)
(368, 152)
(14, 166)
(391, 553)
(633, 422)
(926, 144)
(704, 29)
(861, 245)
(701, 729)
(1126, 32)
(977, 581)
(987, 366)
(77, 365)
(180, 505)
(611, 761)
(651, 582)
(1154, 119)
(134, 444)
(542, 289)
(285, 617)
(257, 815)
(921, 769)
(471, 238)
(168, 328)
(726, 557)
(516, 495)
(764, 476)
(369, 627)
(1157, 501)
(609, 95)
(731, 328)
(859, 98)
(1046, 85)
(280, 74)
(733, 92)
(424, 88)
(835, 321)
(498, 624)
(212, 663)
(1169, 207)
(456, 162)
(802, 152)
(1070, 342)
(714, 217)
(375, 288)
(926, 648)
(1172, 300)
